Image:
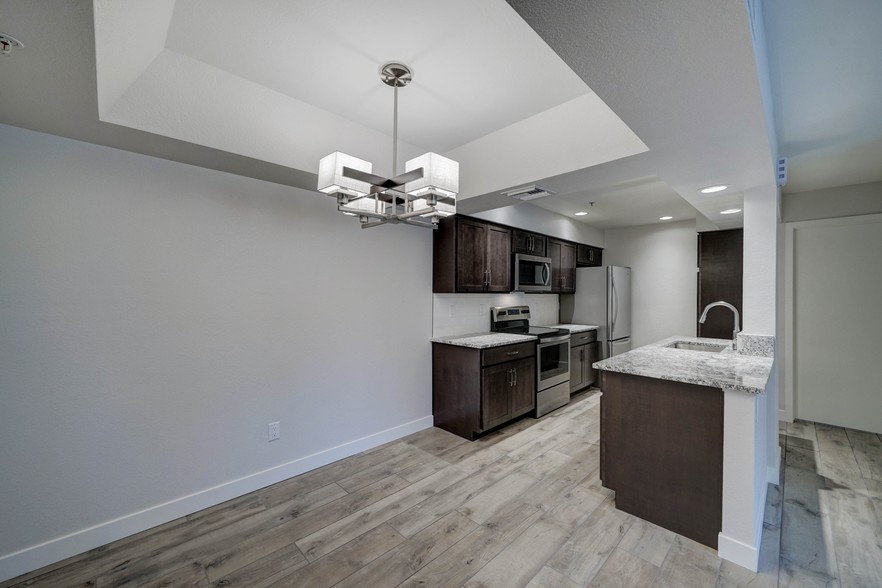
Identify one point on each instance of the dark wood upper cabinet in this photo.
(563, 265)
(471, 256)
(588, 256)
(720, 272)
(498, 259)
(527, 242)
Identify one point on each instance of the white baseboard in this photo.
(746, 556)
(35, 557)
(785, 414)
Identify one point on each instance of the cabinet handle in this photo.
(489, 277)
(510, 377)
(515, 372)
(512, 352)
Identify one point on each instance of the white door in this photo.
(837, 280)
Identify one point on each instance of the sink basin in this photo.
(690, 346)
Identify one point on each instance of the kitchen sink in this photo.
(691, 346)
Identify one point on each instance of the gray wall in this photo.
(155, 317)
(857, 199)
(534, 218)
(663, 287)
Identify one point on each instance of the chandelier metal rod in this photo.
(395, 132)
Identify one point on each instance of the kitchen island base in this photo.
(661, 451)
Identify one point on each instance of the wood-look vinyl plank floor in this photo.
(522, 506)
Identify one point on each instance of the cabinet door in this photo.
(554, 253)
(498, 259)
(471, 255)
(563, 265)
(577, 367)
(588, 256)
(521, 242)
(568, 267)
(592, 355)
(526, 242)
(523, 393)
(496, 386)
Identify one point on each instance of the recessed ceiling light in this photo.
(665, 218)
(581, 213)
(712, 189)
(730, 211)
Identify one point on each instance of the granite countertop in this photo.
(576, 328)
(727, 369)
(483, 340)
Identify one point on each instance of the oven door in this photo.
(553, 361)
(532, 273)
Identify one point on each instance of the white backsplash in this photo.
(460, 314)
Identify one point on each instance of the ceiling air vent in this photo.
(529, 192)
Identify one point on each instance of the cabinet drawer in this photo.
(507, 353)
(583, 338)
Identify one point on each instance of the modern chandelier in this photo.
(421, 196)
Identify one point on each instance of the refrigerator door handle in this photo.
(613, 307)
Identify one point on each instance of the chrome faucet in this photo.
(730, 307)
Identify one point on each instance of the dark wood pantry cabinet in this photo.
(471, 256)
(720, 277)
(475, 390)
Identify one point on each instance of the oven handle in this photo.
(552, 340)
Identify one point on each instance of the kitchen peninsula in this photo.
(678, 425)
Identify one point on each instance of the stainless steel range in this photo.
(552, 355)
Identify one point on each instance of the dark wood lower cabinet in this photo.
(584, 351)
(475, 390)
(661, 451)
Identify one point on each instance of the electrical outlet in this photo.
(274, 431)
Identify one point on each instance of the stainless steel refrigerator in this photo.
(602, 298)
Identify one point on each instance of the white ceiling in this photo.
(826, 64)
(634, 106)
(476, 63)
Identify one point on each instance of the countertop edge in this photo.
(725, 370)
(483, 340)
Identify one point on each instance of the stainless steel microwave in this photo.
(532, 273)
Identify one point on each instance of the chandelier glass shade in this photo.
(422, 195)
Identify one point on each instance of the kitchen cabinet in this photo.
(588, 256)
(584, 351)
(476, 390)
(661, 451)
(526, 242)
(471, 256)
(720, 269)
(563, 266)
